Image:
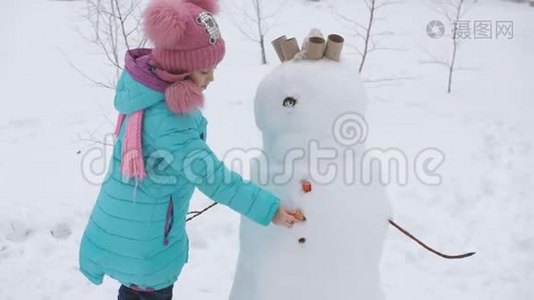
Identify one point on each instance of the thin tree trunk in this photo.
(454, 45)
(257, 6)
(263, 55)
(121, 20)
(368, 35)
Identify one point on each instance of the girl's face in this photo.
(202, 78)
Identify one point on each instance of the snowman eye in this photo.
(289, 102)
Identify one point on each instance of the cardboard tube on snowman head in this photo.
(316, 47)
(334, 47)
(290, 48)
(277, 44)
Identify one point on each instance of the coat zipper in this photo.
(168, 222)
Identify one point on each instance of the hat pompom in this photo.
(183, 96)
(209, 5)
(165, 22)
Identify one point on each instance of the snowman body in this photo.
(311, 164)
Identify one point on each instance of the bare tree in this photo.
(367, 32)
(452, 10)
(254, 21)
(115, 26)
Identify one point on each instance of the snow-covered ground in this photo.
(484, 128)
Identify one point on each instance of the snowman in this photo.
(310, 110)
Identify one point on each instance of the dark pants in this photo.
(126, 293)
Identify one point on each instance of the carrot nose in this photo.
(306, 186)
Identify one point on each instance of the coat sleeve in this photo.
(195, 161)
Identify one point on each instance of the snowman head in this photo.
(310, 90)
(306, 97)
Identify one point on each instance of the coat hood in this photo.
(138, 88)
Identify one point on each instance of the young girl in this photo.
(136, 233)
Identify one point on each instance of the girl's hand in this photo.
(286, 217)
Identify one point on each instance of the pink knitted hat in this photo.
(185, 35)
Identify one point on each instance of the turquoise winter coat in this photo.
(137, 235)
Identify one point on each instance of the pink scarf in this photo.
(181, 96)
